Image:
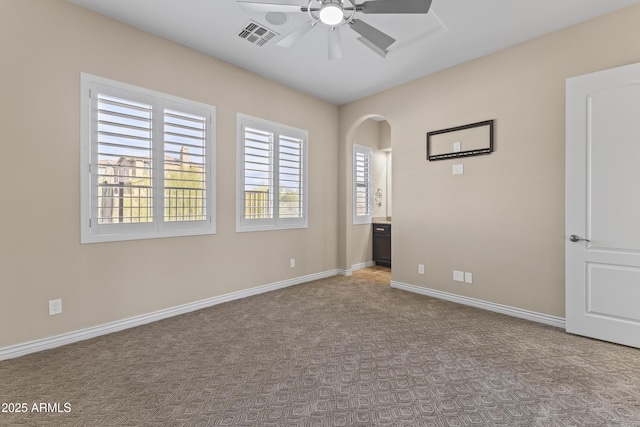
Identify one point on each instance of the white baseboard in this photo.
(119, 325)
(558, 322)
(354, 267)
(362, 265)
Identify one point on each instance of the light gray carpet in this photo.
(336, 352)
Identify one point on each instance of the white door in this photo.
(603, 205)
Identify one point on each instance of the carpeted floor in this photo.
(335, 352)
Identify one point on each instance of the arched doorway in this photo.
(369, 240)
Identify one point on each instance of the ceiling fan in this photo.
(337, 13)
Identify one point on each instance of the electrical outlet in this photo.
(468, 278)
(456, 147)
(420, 268)
(292, 262)
(55, 307)
(458, 276)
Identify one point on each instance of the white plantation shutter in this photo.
(272, 187)
(362, 175)
(124, 175)
(148, 163)
(363, 186)
(291, 175)
(258, 174)
(185, 166)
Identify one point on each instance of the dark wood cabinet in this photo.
(382, 244)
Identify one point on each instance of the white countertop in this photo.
(381, 220)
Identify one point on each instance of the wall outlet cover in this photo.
(458, 169)
(468, 278)
(420, 268)
(458, 276)
(55, 307)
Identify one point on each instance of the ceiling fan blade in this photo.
(335, 44)
(395, 6)
(372, 35)
(266, 6)
(293, 36)
(373, 47)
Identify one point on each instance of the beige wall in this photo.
(379, 181)
(385, 144)
(45, 46)
(381, 169)
(384, 135)
(503, 220)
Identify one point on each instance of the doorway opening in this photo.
(369, 245)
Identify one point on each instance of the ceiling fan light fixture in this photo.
(331, 12)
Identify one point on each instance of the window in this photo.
(146, 165)
(362, 197)
(272, 176)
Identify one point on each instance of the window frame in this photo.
(367, 218)
(274, 223)
(90, 230)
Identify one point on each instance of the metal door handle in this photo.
(575, 238)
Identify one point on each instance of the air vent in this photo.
(256, 33)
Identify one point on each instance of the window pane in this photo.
(362, 184)
(184, 167)
(290, 174)
(124, 131)
(258, 174)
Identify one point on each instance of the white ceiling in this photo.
(454, 31)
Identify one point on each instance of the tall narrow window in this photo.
(362, 196)
(272, 178)
(146, 163)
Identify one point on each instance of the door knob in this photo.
(575, 238)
